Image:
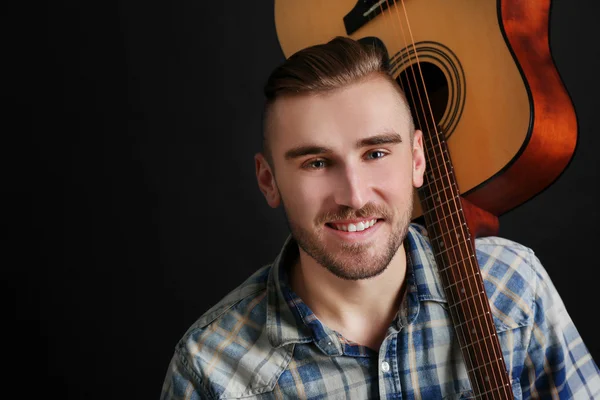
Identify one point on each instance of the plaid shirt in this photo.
(261, 341)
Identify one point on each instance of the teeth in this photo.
(361, 226)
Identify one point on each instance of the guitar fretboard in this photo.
(460, 274)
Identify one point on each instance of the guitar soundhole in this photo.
(434, 82)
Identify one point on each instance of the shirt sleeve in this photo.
(181, 382)
(558, 364)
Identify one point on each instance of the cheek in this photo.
(398, 192)
(394, 179)
(303, 197)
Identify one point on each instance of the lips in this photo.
(355, 226)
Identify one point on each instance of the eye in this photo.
(315, 164)
(375, 154)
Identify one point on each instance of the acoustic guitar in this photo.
(499, 127)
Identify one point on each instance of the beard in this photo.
(352, 261)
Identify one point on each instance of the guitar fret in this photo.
(468, 285)
(430, 134)
(439, 192)
(472, 333)
(435, 161)
(440, 145)
(459, 299)
(453, 213)
(448, 176)
(456, 304)
(441, 204)
(447, 249)
(443, 219)
(452, 248)
(439, 195)
(487, 364)
(463, 226)
(485, 375)
(439, 167)
(435, 174)
(461, 324)
(427, 141)
(472, 344)
(455, 264)
(446, 164)
(470, 348)
(469, 277)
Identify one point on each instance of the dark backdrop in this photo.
(130, 202)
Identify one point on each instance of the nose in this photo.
(351, 188)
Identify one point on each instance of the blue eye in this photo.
(316, 164)
(375, 154)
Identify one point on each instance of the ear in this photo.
(266, 180)
(418, 154)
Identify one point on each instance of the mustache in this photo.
(369, 210)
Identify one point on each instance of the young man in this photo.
(353, 306)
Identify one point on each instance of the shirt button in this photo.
(385, 366)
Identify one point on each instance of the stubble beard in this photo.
(355, 262)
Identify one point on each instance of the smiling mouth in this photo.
(357, 227)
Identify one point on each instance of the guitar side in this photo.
(552, 137)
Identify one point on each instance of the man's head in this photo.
(323, 68)
(341, 154)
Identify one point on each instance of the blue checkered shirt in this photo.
(262, 342)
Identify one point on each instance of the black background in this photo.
(130, 203)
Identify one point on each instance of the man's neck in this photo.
(360, 310)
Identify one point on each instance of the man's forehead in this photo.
(344, 114)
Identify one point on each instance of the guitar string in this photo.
(453, 199)
(399, 80)
(429, 131)
(470, 260)
(475, 267)
(410, 90)
(410, 68)
(417, 114)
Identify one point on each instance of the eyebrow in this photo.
(386, 138)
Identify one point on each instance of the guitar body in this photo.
(508, 121)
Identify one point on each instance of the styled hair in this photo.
(325, 67)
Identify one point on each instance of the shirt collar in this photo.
(421, 262)
(283, 325)
(287, 323)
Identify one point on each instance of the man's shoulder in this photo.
(250, 293)
(228, 348)
(492, 250)
(511, 273)
(498, 256)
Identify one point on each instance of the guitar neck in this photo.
(460, 273)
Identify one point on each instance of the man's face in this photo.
(345, 170)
